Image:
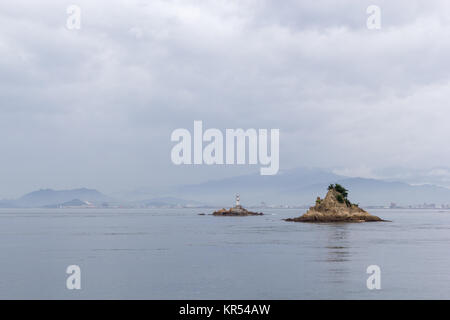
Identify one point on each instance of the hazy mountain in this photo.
(375, 192)
(49, 197)
(439, 176)
(256, 188)
(302, 185)
(298, 186)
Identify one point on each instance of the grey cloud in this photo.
(95, 107)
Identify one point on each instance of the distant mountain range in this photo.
(301, 186)
(298, 186)
(49, 197)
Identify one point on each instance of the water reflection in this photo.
(337, 252)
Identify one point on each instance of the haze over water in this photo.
(177, 254)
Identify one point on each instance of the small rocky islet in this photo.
(237, 210)
(335, 207)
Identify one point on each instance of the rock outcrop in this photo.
(236, 211)
(335, 208)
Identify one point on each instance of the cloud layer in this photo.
(95, 107)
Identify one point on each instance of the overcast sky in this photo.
(95, 107)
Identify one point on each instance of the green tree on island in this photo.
(342, 193)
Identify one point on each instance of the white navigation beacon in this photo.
(238, 200)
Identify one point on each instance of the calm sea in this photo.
(177, 254)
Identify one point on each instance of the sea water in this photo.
(178, 254)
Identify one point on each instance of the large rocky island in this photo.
(237, 210)
(335, 208)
